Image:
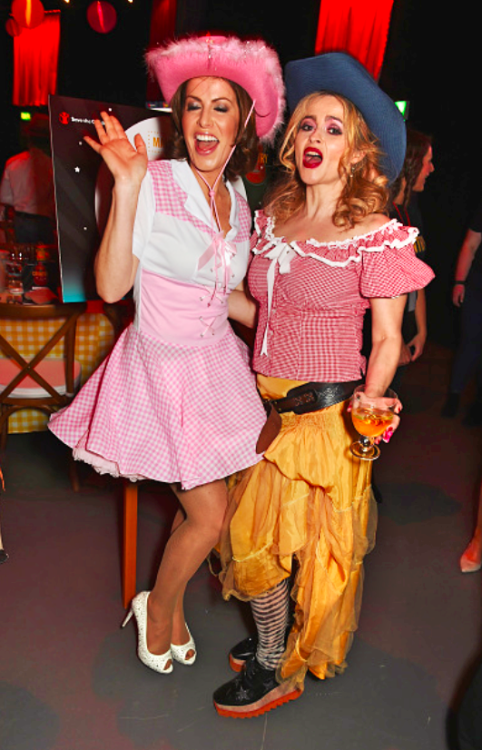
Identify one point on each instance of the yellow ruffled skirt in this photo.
(306, 508)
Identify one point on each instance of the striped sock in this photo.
(270, 612)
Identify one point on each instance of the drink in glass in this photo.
(371, 417)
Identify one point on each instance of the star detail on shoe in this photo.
(243, 694)
(253, 692)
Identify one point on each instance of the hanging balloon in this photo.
(102, 16)
(28, 13)
(12, 27)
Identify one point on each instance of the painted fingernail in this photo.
(387, 436)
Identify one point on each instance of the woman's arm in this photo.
(466, 256)
(418, 341)
(241, 307)
(387, 317)
(387, 341)
(115, 266)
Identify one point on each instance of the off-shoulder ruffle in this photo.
(390, 236)
(388, 262)
(394, 271)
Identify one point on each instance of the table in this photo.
(94, 339)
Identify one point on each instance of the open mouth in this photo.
(312, 158)
(205, 144)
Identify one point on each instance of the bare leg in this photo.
(179, 633)
(190, 542)
(471, 560)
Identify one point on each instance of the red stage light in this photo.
(28, 13)
(102, 16)
(12, 27)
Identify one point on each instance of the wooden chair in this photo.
(43, 382)
(129, 542)
(120, 315)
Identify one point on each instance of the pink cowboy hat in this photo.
(251, 64)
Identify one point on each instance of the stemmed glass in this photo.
(371, 417)
(15, 264)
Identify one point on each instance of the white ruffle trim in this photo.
(368, 243)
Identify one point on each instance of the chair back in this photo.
(15, 368)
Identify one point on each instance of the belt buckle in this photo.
(304, 401)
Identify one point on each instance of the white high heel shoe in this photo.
(157, 662)
(179, 652)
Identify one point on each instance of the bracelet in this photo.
(461, 283)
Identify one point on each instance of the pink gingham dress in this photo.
(175, 401)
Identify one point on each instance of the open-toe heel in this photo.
(157, 662)
(179, 652)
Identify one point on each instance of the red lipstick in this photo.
(312, 158)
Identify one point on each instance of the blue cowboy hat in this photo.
(339, 73)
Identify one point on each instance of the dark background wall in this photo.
(430, 60)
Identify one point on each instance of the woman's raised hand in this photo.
(127, 163)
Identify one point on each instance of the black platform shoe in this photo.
(253, 692)
(242, 651)
(245, 649)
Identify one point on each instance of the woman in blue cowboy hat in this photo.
(325, 252)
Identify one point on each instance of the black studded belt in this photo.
(313, 396)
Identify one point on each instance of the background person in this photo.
(467, 294)
(418, 165)
(471, 560)
(27, 185)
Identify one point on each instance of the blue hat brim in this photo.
(341, 74)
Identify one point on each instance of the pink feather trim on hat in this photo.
(251, 64)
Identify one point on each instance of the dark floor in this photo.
(70, 679)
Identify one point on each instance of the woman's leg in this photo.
(471, 560)
(256, 690)
(195, 531)
(470, 345)
(179, 632)
(270, 612)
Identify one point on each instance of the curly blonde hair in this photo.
(366, 187)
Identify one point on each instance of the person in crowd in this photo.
(471, 560)
(324, 251)
(176, 401)
(467, 295)
(27, 185)
(418, 165)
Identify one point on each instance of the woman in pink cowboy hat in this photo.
(176, 401)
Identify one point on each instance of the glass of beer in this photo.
(371, 417)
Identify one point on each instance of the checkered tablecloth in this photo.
(93, 342)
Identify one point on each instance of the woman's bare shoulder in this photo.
(372, 222)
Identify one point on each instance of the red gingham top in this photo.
(320, 292)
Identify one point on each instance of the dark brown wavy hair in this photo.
(417, 146)
(245, 155)
(366, 187)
